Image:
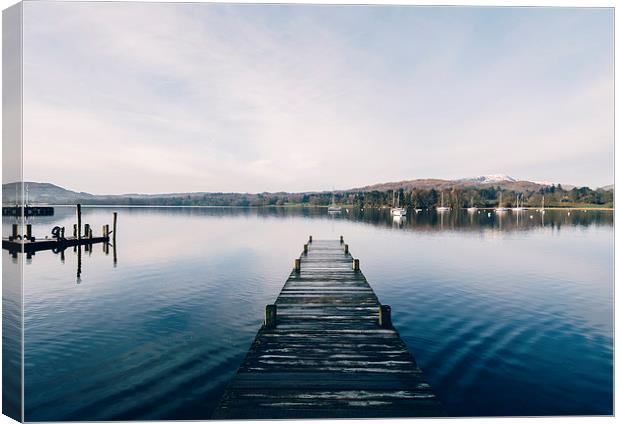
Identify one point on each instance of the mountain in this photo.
(609, 187)
(43, 193)
(496, 180)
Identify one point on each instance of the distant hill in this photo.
(609, 187)
(503, 181)
(43, 193)
(47, 193)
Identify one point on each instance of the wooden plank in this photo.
(327, 357)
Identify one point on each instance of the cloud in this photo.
(202, 97)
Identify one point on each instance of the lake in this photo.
(506, 314)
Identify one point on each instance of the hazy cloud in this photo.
(205, 97)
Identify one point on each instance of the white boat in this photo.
(442, 208)
(472, 208)
(397, 210)
(500, 208)
(333, 208)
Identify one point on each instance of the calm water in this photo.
(509, 315)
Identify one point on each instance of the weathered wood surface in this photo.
(327, 355)
(49, 244)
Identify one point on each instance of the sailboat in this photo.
(333, 208)
(442, 208)
(397, 210)
(542, 208)
(471, 207)
(519, 208)
(500, 208)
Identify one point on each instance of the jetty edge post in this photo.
(86, 230)
(309, 239)
(297, 265)
(114, 229)
(74, 230)
(271, 316)
(79, 220)
(29, 232)
(305, 249)
(356, 264)
(341, 239)
(14, 232)
(346, 249)
(385, 316)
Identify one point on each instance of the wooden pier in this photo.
(327, 349)
(49, 244)
(28, 244)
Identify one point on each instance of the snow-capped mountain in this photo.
(489, 179)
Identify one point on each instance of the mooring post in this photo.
(385, 316)
(29, 232)
(297, 265)
(306, 249)
(271, 316)
(74, 230)
(310, 239)
(341, 239)
(114, 229)
(62, 233)
(15, 232)
(356, 264)
(346, 249)
(103, 234)
(79, 221)
(90, 233)
(86, 230)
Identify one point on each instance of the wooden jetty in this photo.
(50, 244)
(327, 349)
(28, 244)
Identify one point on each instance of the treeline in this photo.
(415, 198)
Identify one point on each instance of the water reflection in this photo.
(460, 220)
(490, 306)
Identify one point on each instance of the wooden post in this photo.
(79, 263)
(86, 230)
(15, 232)
(310, 239)
(114, 229)
(74, 230)
(341, 239)
(79, 221)
(297, 265)
(356, 264)
(306, 249)
(103, 234)
(62, 233)
(271, 316)
(346, 249)
(385, 316)
(29, 232)
(90, 233)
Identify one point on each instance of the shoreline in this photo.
(549, 208)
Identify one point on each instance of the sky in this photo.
(165, 97)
